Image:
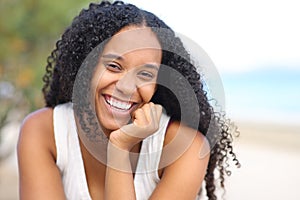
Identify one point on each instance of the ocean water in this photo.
(263, 95)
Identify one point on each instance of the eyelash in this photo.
(113, 67)
(146, 75)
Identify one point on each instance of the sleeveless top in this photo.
(70, 163)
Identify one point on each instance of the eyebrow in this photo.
(152, 66)
(118, 57)
(113, 56)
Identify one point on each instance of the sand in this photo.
(269, 154)
(270, 157)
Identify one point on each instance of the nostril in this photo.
(126, 85)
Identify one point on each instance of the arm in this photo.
(39, 175)
(119, 182)
(119, 178)
(183, 178)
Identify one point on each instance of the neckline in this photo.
(81, 168)
(143, 150)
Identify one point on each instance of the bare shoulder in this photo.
(39, 175)
(37, 130)
(179, 133)
(35, 118)
(184, 161)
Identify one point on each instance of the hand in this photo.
(145, 122)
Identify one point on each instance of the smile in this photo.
(118, 104)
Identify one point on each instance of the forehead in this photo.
(131, 39)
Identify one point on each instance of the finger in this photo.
(141, 105)
(154, 119)
(134, 112)
(156, 115)
(147, 111)
(139, 117)
(158, 111)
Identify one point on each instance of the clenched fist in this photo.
(145, 122)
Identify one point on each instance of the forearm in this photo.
(119, 179)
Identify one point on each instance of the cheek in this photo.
(101, 80)
(97, 77)
(147, 92)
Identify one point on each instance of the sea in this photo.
(270, 94)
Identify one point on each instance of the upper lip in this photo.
(120, 99)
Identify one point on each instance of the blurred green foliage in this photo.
(28, 32)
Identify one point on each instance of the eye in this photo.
(113, 67)
(146, 75)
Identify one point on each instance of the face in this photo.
(125, 77)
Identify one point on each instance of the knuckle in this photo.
(139, 110)
(159, 107)
(151, 104)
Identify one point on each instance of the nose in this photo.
(127, 84)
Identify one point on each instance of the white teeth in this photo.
(118, 104)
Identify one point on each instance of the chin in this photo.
(109, 125)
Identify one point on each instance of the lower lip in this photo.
(117, 112)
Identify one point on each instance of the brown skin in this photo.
(39, 175)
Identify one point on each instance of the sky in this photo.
(238, 35)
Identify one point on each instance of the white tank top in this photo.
(70, 162)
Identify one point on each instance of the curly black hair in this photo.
(99, 22)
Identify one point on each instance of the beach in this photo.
(270, 161)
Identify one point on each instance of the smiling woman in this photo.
(126, 115)
(125, 80)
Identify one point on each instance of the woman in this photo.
(126, 115)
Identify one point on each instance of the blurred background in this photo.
(28, 32)
(255, 46)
